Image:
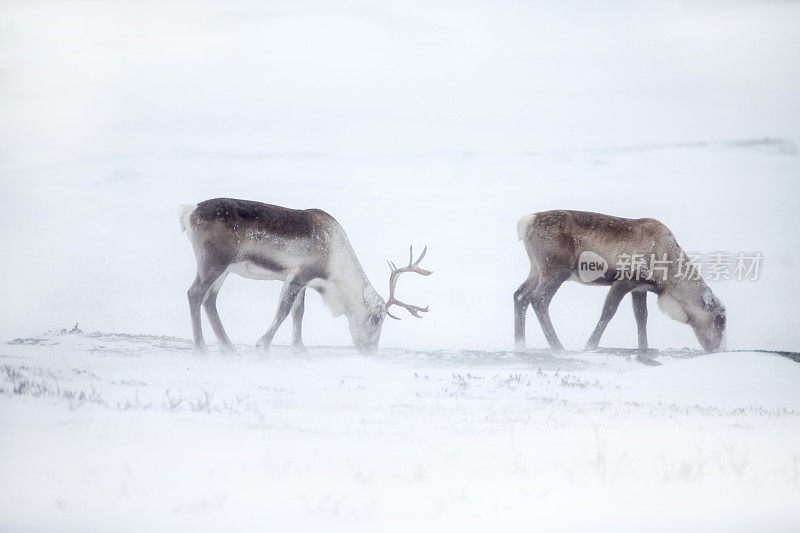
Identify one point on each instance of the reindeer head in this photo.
(367, 322)
(366, 326)
(709, 322)
(703, 311)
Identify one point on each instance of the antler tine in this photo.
(413, 266)
(419, 269)
(424, 251)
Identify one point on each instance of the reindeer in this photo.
(644, 257)
(304, 248)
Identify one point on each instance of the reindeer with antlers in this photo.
(304, 248)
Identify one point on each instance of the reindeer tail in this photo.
(523, 224)
(184, 212)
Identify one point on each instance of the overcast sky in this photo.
(87, 79)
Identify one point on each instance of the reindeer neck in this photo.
(353, 289)
(687, 291)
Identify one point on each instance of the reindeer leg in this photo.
(522, 299)
(541, 298)
(210, 305)
(288, 296)
(640, 312)
(298, 309)
(618, 291)
(197, 292)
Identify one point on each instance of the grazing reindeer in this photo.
(580, 246)
(304, 248)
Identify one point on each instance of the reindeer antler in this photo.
(413, 266)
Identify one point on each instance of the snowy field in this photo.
(112, 431)
(435, 125)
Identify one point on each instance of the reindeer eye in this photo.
(377, 319)
(719, 321)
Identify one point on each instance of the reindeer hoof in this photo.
(262, 345)
(299, 349)
(200, 349)
(228, 349)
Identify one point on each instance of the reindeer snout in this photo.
(367, 349)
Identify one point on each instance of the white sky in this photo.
(394, 77)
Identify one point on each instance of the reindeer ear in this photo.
(708, 299)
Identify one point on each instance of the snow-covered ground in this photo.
(410, 122)
(112, 431)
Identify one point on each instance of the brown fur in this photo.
(300, 247)
(555, 240)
